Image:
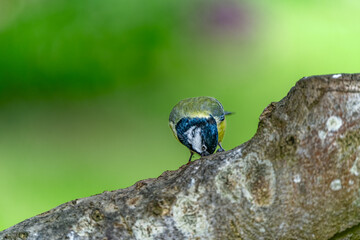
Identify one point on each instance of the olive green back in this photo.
(197, 106)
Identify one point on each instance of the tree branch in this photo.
(297, 178)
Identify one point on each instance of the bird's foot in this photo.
(220, 148)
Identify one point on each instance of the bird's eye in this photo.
(203, 148)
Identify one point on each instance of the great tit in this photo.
(199, 124)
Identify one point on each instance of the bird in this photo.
(199, 124)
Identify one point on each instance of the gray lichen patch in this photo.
(84, 227)
(353, 106)
(355, 167)
(335, 185)
(190, 216)
(297, 178)
(334, 123)
(230, 183)
(111, 208)
(251, 178)
(148, 229)
(322, 135)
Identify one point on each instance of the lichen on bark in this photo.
(297, 178)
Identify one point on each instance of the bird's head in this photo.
(199, 134)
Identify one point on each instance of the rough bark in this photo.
(297, 178)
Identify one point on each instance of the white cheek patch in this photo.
(197, 143)
(190, 134)
(194, 138)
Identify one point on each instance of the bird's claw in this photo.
(220, 150)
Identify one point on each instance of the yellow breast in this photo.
(221, 130)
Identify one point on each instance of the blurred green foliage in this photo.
(86, 86)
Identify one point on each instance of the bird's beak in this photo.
(205, 154)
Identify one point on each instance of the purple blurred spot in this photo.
(226, 16)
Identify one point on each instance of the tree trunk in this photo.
(297, 178)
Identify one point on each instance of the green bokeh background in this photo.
(86, 86)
